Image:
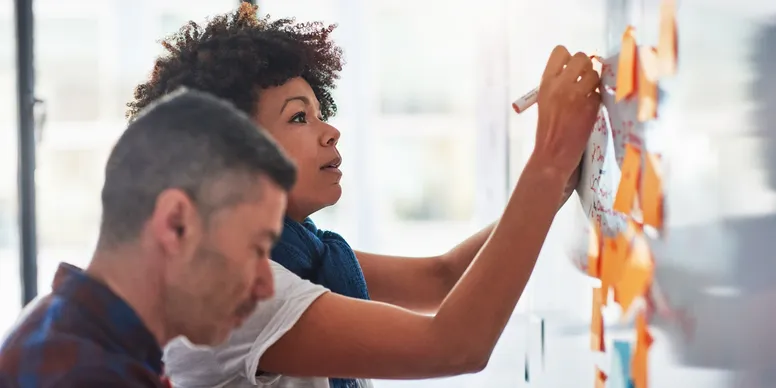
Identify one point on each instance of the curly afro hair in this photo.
(236, 55)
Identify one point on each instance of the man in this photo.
(193, 202)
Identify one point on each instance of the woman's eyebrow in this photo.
(304, 100)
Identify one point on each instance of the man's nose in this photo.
(265, 282)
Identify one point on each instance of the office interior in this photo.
(432, 147)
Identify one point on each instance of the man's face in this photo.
(218, 280)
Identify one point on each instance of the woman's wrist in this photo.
(542, 169)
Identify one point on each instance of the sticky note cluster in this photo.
(623, 261)
(640, 67)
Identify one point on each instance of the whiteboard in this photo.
(716, 130)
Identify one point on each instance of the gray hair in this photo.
(191, 141)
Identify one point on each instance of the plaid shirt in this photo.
(80, 335)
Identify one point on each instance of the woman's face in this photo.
(291, 114)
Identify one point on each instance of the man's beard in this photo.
(214, 262)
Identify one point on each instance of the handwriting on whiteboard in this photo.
(600, 176)
(615, 126)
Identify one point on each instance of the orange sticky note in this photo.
(608, 254)
(636, 274)
(600, 378)
(594, 251)
(652, 192)
(639, 362)
(623, 248)
(667, 42)
(597, 323)
(647, 84)
(626, 191)
(612, 258)
(626, 66)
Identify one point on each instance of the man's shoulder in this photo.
(30, 331)
(50, 317)
(45, 346)
(128, 374)
(96, 374)
(40, 358)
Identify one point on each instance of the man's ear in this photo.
(175, 223)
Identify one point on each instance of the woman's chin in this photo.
(332, 195)
(324, 198)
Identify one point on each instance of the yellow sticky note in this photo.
(600, 378)
(667, 42)
(652, 192)
(629, 179)
(597, 323)
(594, 251)
(626, 66)
(647, 84)
(636, 274)
(640, 360)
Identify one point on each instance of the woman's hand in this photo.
(568, 104)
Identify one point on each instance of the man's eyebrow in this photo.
(271, 235)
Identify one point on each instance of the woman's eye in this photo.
(299, 118)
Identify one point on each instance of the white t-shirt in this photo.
(234, 363)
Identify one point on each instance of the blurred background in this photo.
(431, 147)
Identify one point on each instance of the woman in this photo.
(282, 74)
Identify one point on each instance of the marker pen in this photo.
(527, 101)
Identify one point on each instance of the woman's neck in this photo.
(298, 213)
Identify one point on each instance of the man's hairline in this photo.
(214, 208)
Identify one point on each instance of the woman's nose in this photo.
(330, 136)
